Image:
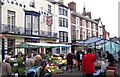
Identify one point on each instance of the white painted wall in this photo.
(19, 14)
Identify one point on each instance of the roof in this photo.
(81, 16)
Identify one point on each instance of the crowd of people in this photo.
(34, 64)
(85, 61)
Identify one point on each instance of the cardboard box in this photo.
(110, 73)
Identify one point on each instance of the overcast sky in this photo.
(106, 9)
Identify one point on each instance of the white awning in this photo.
(48, 45)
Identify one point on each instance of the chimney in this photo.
(72, 6)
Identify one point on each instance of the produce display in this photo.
(58, 60)
(54, 69)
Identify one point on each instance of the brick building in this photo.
(83, 26)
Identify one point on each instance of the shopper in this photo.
(110, 58)
(41, 65)
(70, 61)
(79, 59)
(29, 62)
(88, 63)
(6, 68)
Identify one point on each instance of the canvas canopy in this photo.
(91, 40)
(26, 45)
(38, 45)
(49, 45)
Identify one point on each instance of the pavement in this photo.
(74, 73)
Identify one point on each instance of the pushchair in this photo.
(36, 72)
(32, 72)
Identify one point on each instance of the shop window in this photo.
(11, 46)
(63, 36)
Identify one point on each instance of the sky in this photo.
(107, 10)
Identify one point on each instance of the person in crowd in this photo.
(80, 55)
(41, 65)
(70, 62)
(6, 68)
(19, 60)
(29, 62)
(88, 63)
(78, 59)
(42, 55)
(110, 58)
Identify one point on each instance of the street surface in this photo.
(74, 73)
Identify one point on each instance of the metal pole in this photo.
(104, 45)
(3, 49)
(0, 15)
(110, 46)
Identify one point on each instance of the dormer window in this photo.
(32, 3)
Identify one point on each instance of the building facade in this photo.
(12, 27)
(103, 33)
(36, 21)
(62, 25)
(82, 25)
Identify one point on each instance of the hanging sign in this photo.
(49, 20)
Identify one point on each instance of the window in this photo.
(94, 33)
(84, 34)
(28, 24)
(89, 33)
(77, 34)
(63, 11)
(32, 23)
(84, 23)
(11, 46)
(94, 26)
(77, 20)
(89, 24)
(11, 20)
(32, 3)
(49, 9)
(63, 36)
(35, 24)
(64, 50)
(63, 22)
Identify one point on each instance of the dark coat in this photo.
(78, 57)
(70, 59)
(110, 58)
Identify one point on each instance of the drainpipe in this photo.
(3, 40)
